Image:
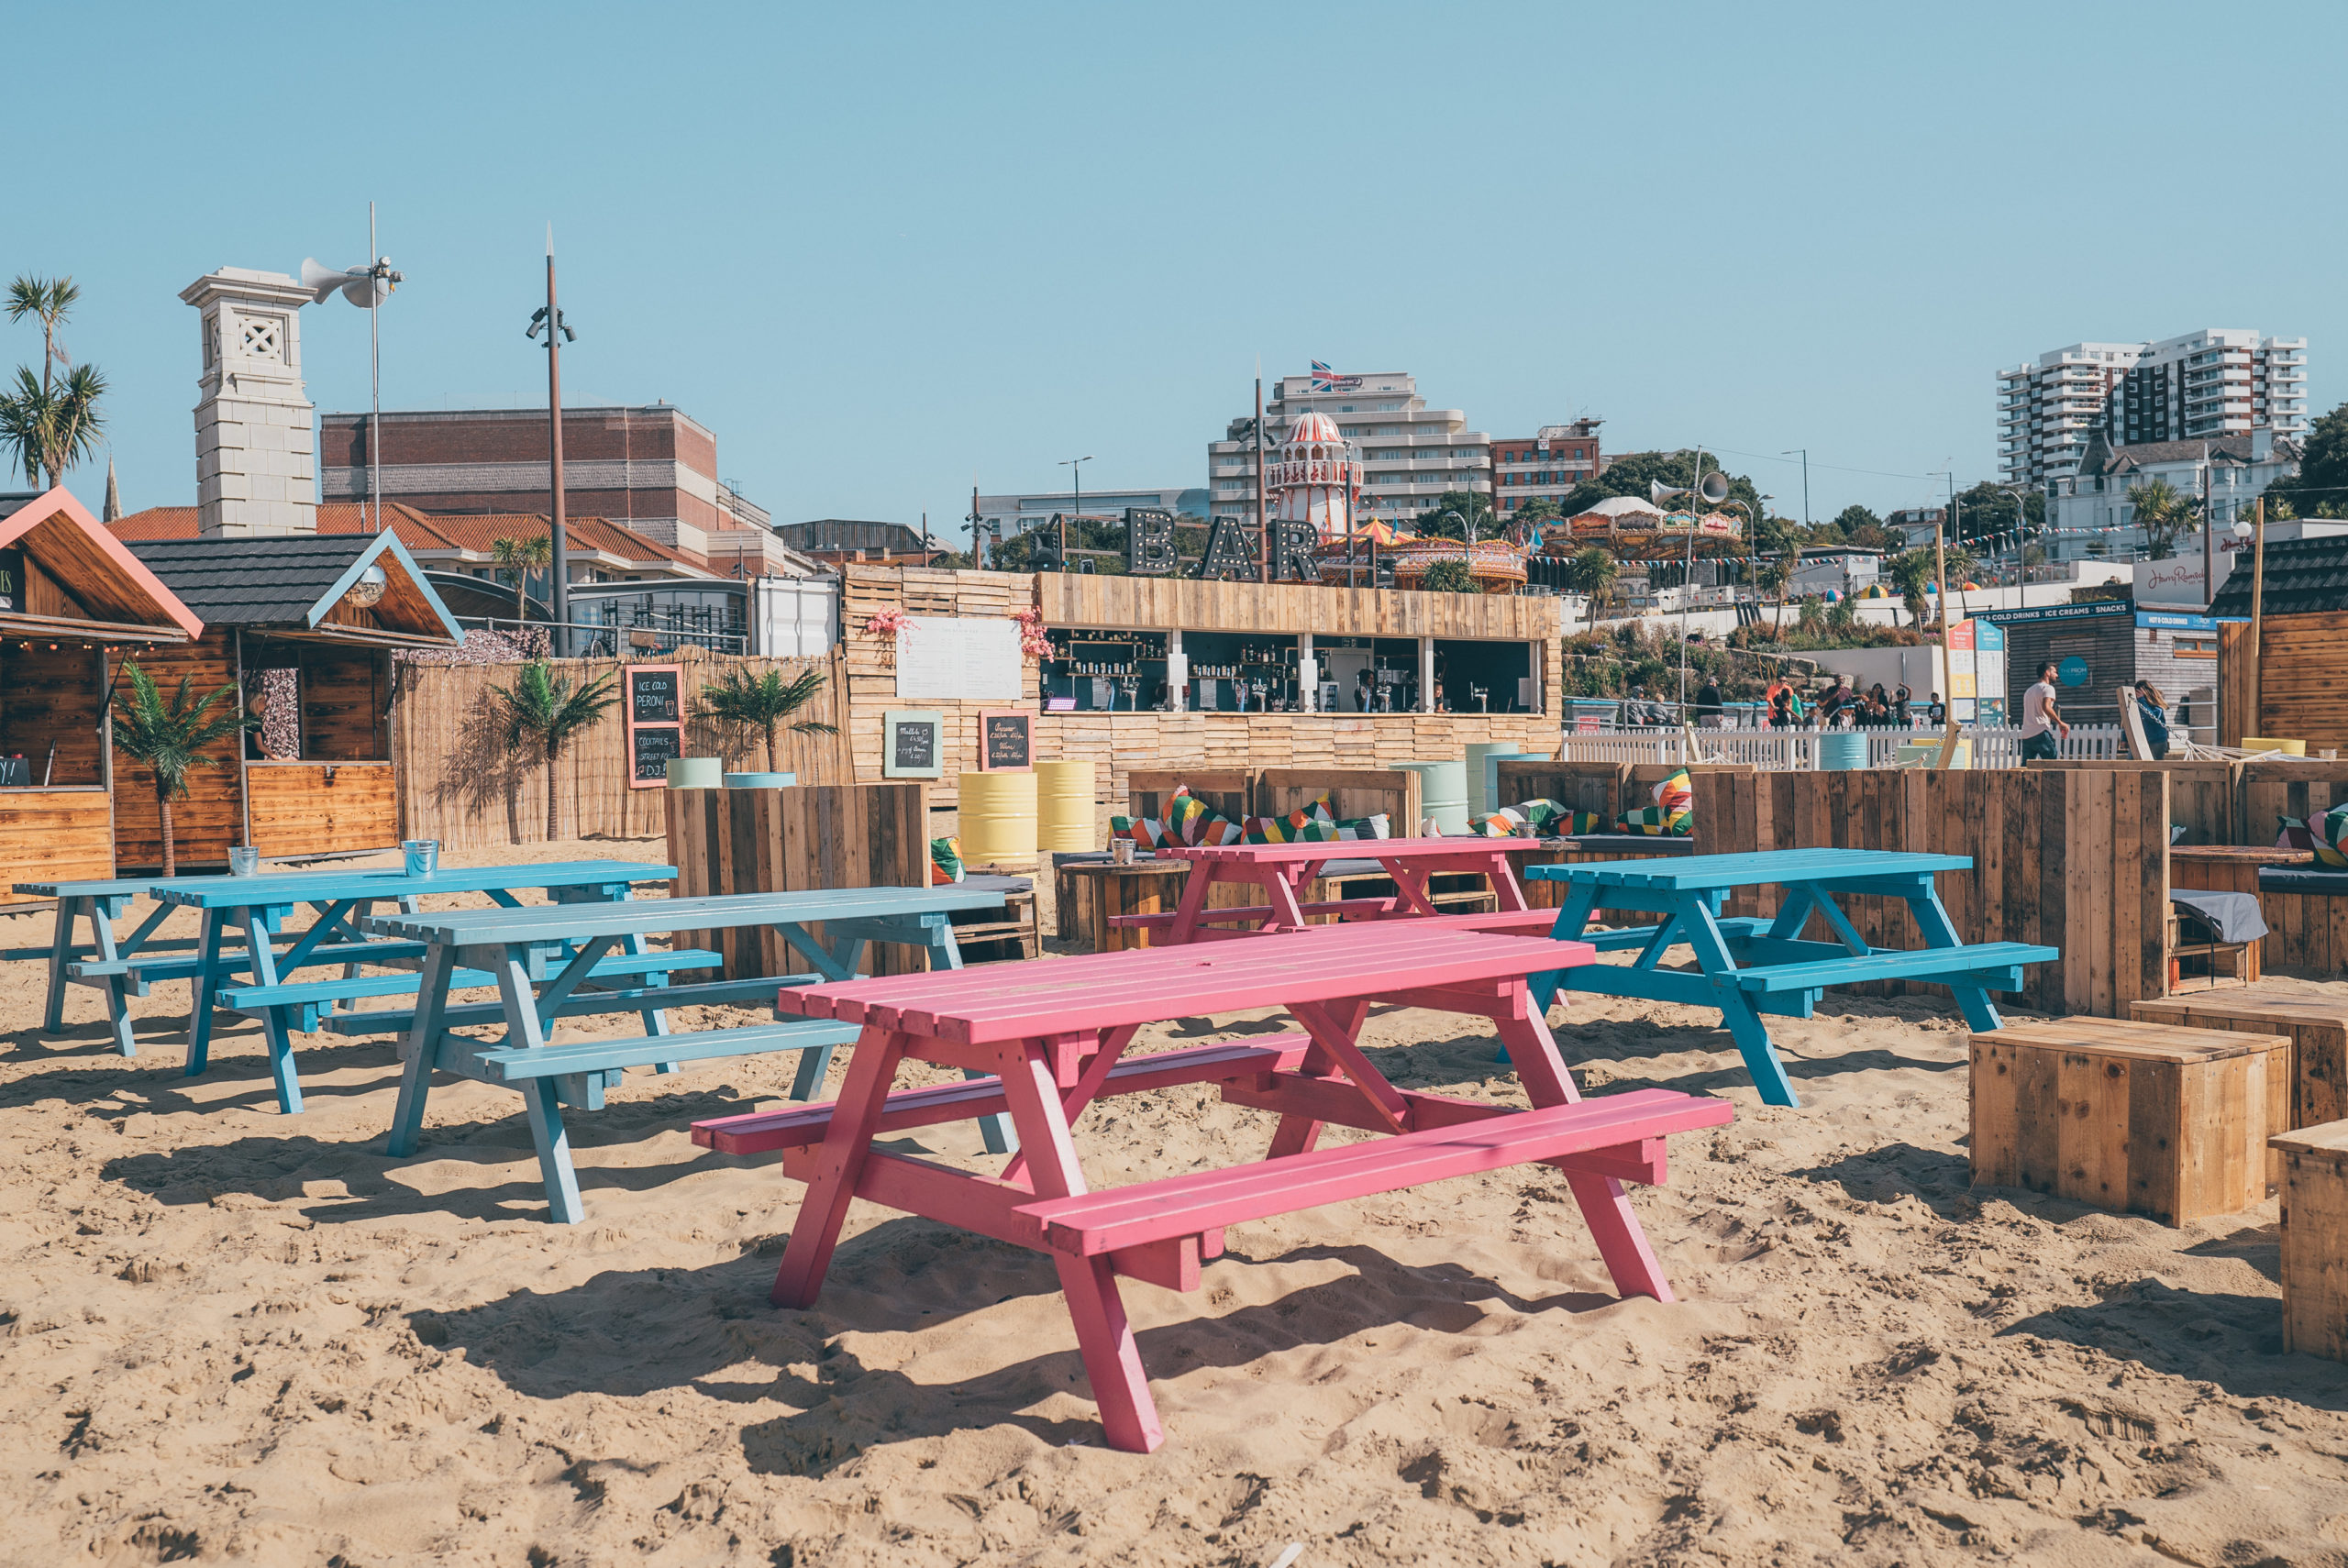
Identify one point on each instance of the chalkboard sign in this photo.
(11, 582)
(1006, 742)
(912, 744)
(652, 693)
(649, 750)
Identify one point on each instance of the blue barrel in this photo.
(1842, 751)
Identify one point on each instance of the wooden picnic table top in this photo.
(1702, 872)
(1017, 1001)
(1346, 849)
(554, 923)
(392, 882)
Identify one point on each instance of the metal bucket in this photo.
(997, 818)
(1064, 820)
(1443, 794)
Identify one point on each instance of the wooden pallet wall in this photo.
(2074, 860)
(2302, 674)
(458, 783)
(211, 817)
(2273, 791)
(2202, 796)
(53, 835)
(321, 808)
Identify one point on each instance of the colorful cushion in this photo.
(1672, 815)
(1365, 827)
(1148, 833)
(945, 860)
(2329, 833)
(1543, 816)
(1577, 822)
(1196, 823)
(1303, 825)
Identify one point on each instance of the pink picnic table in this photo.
(1282, 870)
(1053, 1035)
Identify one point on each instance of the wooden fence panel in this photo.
(2302, 675)
(2202, 795)
(459, 783)
(2273, 791)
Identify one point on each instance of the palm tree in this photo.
(2160, 512)
(1775, 577)
(1593, 573)
(763, 702)
(541, 704)
(1911, 572)
(169, 738)
(50, 300)
(53, 428)
(1447, 577)
(515, 557)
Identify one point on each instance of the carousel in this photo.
(1317, 478)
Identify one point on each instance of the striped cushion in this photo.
(1306, 824)
(1196, 823)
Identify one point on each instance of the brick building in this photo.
(1545, 467)
(650, 469)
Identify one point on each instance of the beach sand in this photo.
(231, 1336)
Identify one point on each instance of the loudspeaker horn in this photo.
(1658, 491)
(356, 287)
(1713, 487)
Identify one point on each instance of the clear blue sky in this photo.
(883, 251)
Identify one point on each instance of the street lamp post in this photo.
(549, 319)
(1075, 466)
(1805, 479)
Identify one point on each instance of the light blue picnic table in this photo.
(1747, 966)
(537, 958)
(256, 908)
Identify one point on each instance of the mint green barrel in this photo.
(1443, 793)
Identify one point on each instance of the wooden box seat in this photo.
(2129, 1117)
(2315, 1027)
(2315, 1239)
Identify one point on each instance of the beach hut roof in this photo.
(99, 579)
(296, 582)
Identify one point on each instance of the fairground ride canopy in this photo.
(1314, 477)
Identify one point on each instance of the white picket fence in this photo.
(1994, 745)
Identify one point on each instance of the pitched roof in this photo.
(428, 531)
(2102, 457)
(97, 569)
(293, 580)
(2302, 576)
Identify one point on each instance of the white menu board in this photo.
(958, 659)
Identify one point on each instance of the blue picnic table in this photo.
(538, 957)
(1747, 966)
(120, 967)
(255, 908)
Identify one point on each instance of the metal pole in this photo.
(2257, 607)
(2208, 537)
(1948, 682)
(374, 375)
(1263, 527)
(558, 591)
(1688, 581)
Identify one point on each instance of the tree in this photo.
(2161, 511)
(1540, 509)
(1447, 577)
(51, 426)
(1439, 522)
(1778, 576)
(1854, 524)
(170, 737)
(541, 705)
(763, 702)
(515, 557)
(1592, 572)
(1632, 474)
(1911, 571)
(2322, 487)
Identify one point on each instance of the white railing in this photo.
(1995, 745)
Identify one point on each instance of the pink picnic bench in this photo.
(1053, 1037)
(1282, 871)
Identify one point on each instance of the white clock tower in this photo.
(256, 445)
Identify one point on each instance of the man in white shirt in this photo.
(2042, 721)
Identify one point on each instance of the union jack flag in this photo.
(1326, 380)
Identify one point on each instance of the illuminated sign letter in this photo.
(1150, 542)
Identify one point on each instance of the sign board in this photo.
(912, 744)
(1006, 740)
(648, 751)
(11, 582)
(2092, 610)
(655, 721)
(959, 658)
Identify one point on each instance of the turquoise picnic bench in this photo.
(1747, 966)
(539, 958)
(254, 908)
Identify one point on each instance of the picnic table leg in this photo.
(116, 987)
(1279, 888)
(1605, 1207)
(422, 1051)
(273, 1019)
(1105, 1337)
(1195, 888)
(60, 953)
(207, 977)
(1743, 1024)
(1298, 1134)
(540, 1106)
(1939, 931)
(847, 1140)
(945, 952)
(1508, 894)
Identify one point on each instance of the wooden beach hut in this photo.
(304, 626)
(73, 602)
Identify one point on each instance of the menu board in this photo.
(655, 721)
(912, 744)
(1006, 742)
(961, 658)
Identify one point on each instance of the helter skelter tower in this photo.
(1314, 478)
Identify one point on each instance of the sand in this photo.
(228, 1335)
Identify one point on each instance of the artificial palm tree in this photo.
(1593, 573)
(1447, 577)
(763, 702)
(50, 300)
(514, 558)
(542, 705)
(170, 737)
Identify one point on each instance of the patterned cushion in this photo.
(1303, 825)
(1543, 816)
(945, 860)
(1579, 822)
(1365, 827)
(1196, 823)
(1672, 815)
(1148, 833)
(2330, 831)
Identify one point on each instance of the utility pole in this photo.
(1263, 526)
(550, 320)
(978, 558)
(1805, 479)
(2208, 537)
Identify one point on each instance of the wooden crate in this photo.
(1093, 890)
(981, 934)
(2315, 1239)
(2135, 1118)
(2315, 1028)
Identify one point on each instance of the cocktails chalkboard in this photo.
(1006, 742)
(652, 693)
(912, 744)
(649, 750)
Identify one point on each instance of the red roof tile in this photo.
(420, 531)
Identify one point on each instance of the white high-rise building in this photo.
(1410, 454)
(2201, 386)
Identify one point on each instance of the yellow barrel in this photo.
(997, 818)
(1064, 806)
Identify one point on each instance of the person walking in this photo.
(2042, 718)
(2152, 711)
(1708, 704)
